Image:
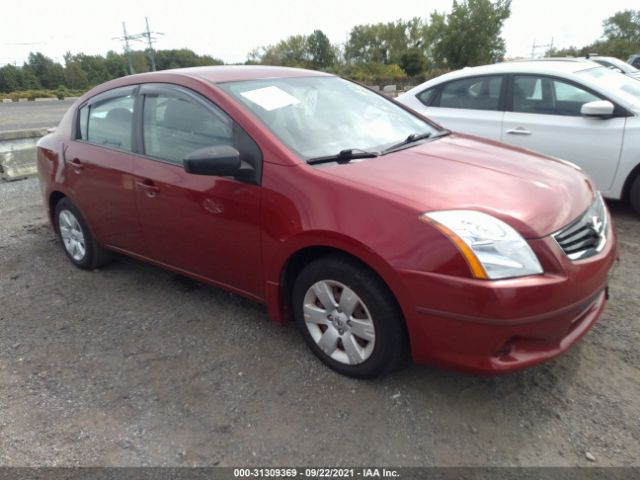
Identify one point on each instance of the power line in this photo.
(535, 46)
(147, 36)
(150, 40)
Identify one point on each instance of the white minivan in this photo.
(571, 109)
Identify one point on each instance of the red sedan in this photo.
(373, 228)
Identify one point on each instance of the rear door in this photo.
(204, 225)
(99, 167)
(546, 117)
(469, 105)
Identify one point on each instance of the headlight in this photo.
(491, 247)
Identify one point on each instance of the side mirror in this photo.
(599, 108)
(220, 160)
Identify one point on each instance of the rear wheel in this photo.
(77, 241)
(634, 194)
(349, 318)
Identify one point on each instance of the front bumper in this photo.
(501, 326)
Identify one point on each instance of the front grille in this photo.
(587, 235)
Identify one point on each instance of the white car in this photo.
(571, 109)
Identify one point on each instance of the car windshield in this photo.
(625, 87)
(322, 116)
(624, 66)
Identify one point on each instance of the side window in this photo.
(174, 127)
(108, 122)
(427, 96)
(569, 93)
(477, 93)
(548, 96)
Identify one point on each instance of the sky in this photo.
(229, 30)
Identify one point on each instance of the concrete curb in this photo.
(18, 153)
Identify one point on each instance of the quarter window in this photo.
(427, 96)
(108, 122)
(477, 93)
(548, 96)
(173, 127)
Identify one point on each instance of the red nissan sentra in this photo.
(377, 231)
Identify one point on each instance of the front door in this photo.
(204, 225)
(546, 118)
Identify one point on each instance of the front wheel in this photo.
(349, 318)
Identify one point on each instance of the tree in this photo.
(93, 67)
(181, 58)
(313, 51)
(48, 73)
(622, 34)
(290, 52)
(385, 42)
(413, 62)
(28, 79)
(322, 54)
(9, 78)
(74, 76)
(372, 72)
(140, 61)
(470, 34)
(116, 64)
(621, 38)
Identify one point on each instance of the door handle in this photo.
(77, 164)
(518, 131)
(149, 187)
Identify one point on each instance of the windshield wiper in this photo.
(344, 156)
(415, 137)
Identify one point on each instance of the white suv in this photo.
(571, 109)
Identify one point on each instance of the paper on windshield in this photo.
(270, 98)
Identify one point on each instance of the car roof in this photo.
(564, 67)
(233, 73)
(549, 66)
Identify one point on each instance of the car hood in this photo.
(534, 194)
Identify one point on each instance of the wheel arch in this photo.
(635, 172)
(279, 301)
(54, 198)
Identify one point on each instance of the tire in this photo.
(78, 243)
(362, 333)
(634, 194)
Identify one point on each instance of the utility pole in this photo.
(147, 36)
(127, 49)
(535, 46)
(533, 49)
(150, 51)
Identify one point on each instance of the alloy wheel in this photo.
(72, 235)
(339, 322)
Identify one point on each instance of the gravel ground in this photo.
(19, 115)
(134, 366)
